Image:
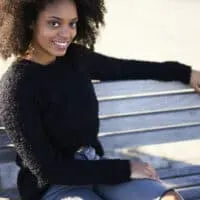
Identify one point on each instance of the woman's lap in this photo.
(142, 189)
(62, 192)
(136, 189)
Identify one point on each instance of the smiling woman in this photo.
(54, 30)
(49, 108)
(52, 25)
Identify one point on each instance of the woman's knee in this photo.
(172, 195)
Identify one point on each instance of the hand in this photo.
(195, 80)
(143, 170)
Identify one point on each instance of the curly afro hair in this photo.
(16, 16)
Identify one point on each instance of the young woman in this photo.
(49, 108)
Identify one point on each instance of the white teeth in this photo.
(61, 44)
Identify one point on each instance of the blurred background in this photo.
(156, 30)
(152, 30)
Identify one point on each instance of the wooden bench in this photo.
(158, 122)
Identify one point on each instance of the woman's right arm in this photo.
(21, 117)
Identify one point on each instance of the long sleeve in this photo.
(21, 117)
(103, 67)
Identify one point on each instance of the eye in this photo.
(54, 24)
(73, 25)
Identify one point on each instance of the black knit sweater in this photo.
(50, 111)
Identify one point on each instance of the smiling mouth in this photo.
(61, 45)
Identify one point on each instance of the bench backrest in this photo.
(135, 113)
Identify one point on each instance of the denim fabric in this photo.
(86, 153)
(142, 189)
(62, 192)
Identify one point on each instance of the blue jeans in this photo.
(140, 189)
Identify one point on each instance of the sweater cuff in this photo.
(180, 71)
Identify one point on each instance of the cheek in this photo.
(45, 35)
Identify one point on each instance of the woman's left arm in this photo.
(107, 68)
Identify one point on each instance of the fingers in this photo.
(195, 84)
(151, 172)
(197, 88)
(195, 80)
(143, 170)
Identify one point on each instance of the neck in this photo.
(39, 59)
(37, 55)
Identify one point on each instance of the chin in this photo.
(59, 53)
(56, 54)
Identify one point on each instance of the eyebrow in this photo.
(60, 19)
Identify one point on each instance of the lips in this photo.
(61, 44)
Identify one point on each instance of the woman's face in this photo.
(55, 29)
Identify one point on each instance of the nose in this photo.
(66, 31)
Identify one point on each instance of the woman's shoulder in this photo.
(78, 50)
(16, 76)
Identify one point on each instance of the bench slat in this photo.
(186, 181)
(150, 112)
(11, 194)
(149, 103)
(7, 154)
(144, 95)
(149, 121)
(191, 193)
(104, 89)
(4, 140)
(156, 128)
(112, 142)
(178, 172)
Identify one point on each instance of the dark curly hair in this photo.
(16, 16)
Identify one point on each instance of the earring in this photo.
(30, 50)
